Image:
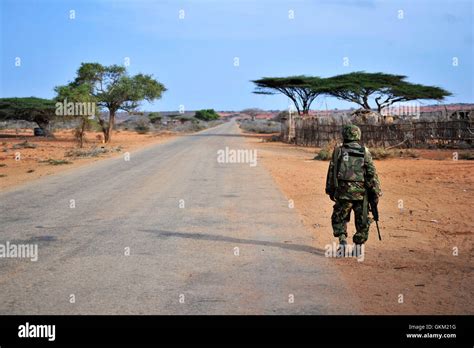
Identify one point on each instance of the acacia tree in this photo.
(78, 94)
(252, 112)
(113, 89)
(302, 90)
(41, 111)
(384, 89)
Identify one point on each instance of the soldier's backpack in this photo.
(351, 164)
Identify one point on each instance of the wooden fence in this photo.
(312, 132)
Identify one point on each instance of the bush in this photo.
(183, 119)
(272, 138)
(206, 115)
(142, 126)
(466, 156)
(260, 126)
(325, 154)
(24, 145)
(190, 127)
(55, 162)
(142, 129)
(380, 153)
(93, 152)
(409, 153)
(155, 117)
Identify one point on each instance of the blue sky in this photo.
(194, 56)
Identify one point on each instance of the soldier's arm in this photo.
(330, 177)
(372, 178)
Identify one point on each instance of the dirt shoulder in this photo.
(415, 258)
(40, 156)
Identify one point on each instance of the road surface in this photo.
(172, 231)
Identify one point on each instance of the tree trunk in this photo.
(83, 131)
(110, 127)
(44, 125)
(106, 132)
(365, 103)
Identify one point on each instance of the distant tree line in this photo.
(111, 88)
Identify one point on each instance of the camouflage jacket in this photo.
(355, 187)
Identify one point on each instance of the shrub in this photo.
(93, 152)
(206, 115)
(260, 126)
(190, 127)
(409, 153)
(380, 153)
(325, 154)
(272, 138)
(142, 126)
(55, 162)
(24, 145)
(142, 129)
(183, 119)
(466, 156)
(155, 117)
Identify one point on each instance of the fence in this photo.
(312, 132)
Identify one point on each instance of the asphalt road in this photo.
(181, 215)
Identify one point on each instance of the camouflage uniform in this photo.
(351, 173)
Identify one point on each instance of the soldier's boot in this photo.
(341, 250)
(357, 250)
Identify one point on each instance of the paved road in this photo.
(177, 254)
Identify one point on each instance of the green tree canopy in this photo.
(32, 109)
(384, 89)
(302, 90)
(113, 89)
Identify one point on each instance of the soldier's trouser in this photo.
(341, 216)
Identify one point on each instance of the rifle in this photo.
(373, 201)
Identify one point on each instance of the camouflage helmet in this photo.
(351, 133)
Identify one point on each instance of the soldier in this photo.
(351, 178)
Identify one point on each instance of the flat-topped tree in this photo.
(384, 89)
(302, 90)
(112, 88)
(32, 109)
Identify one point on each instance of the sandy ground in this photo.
(414, 269)
(14, 172)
